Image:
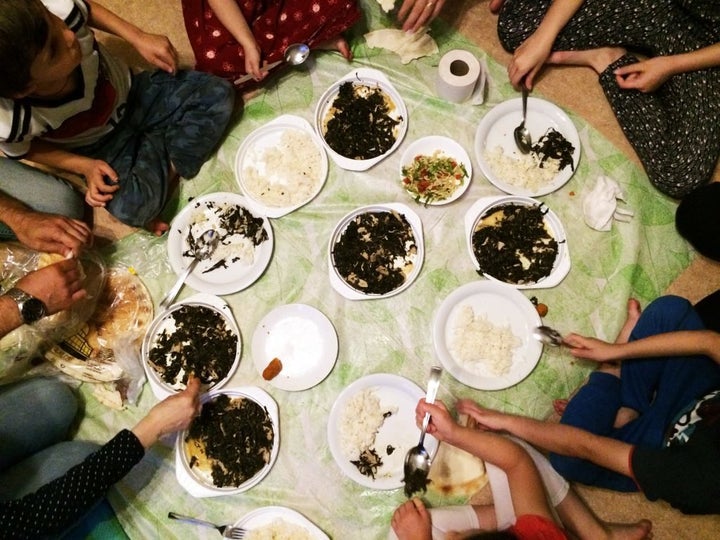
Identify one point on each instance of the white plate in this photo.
(399, 430)
(497, 127)
(427, 146)
(266, 515)
(236, 275)
(302, 338)
(368, 77)
(344, 288)
(159, 387)
(562, 261)
(502, 305)
(191, 482)
(265, 138)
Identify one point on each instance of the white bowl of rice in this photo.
(281, 166)
(279, 523)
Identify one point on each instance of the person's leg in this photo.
(34, 414)
(173, 123)
(39, 190)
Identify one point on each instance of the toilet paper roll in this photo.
(458, 73)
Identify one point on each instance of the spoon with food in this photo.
(295, 54)
(548, 336)
(523, 139)
(204, 248)
(417, 460)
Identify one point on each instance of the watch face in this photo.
(33, 310)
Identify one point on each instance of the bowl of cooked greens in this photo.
(361, 119)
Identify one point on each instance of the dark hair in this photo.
(698, 219)
(23, 34)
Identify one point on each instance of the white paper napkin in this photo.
(600, 205)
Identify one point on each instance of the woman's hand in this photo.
(414, 14)
(158, 50)
(253, 57)
(170, 415)
(645, 76)
(102, 181)
(528, 60)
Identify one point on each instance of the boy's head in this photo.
(23, 33)
(698, 219)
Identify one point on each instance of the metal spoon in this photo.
(548, 336)
(204, 248)
(417, 460)
(523, 140)
(295, 54)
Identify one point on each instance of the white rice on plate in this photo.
(286, 174)
(479, 346)
(522, 170)
(279, 529)
(360, 421)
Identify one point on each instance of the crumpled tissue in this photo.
(408, 46)
(600, 205)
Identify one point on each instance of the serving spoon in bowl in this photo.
(295, 54)
(204, 248)
(523, 139)
(417, 460)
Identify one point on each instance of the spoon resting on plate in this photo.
(295, 54)
(548, 336)
(417, 460)
(523, 139)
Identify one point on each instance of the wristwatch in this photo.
(31, 308)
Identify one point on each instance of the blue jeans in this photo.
(39, 190)
(170, 119)
(657, 388)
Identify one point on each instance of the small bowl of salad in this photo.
(435, 170)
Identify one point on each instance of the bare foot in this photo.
(496, 5)
(623, 416)
(597, 59)
(340, 45)
(633, 314)
(642, 530)
(559, 405)
(157, 227)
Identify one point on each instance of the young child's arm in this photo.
(526, 486)
(154, 48)
(229, 14)
(95, 171)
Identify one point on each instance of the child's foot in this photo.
(340, 45)
(597, 59)
(633, 314)
(642, 530)
(496, 5)
(559, 406)
(157, 226)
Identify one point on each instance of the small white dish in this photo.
(210, 276)
(265, 140)
(343, 287)
(303, 339)
(262, 517)
(192, 482)
(159, 387)
(502, 305)
(496, 130)
(374, 79)
(428, 146)
(398, 430)
(552, 222)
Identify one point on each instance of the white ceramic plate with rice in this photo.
(236, 263)
(553, 225)
(441, 147)
(284, 522)
(303, 339)
(281, 166)
(356, 293)
(397, 434)
(495, 146)
(372, 79)
(503, 307)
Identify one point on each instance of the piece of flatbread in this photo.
(407, 46)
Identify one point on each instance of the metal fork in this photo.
(228, 531)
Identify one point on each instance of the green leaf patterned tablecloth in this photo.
(392, 335)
